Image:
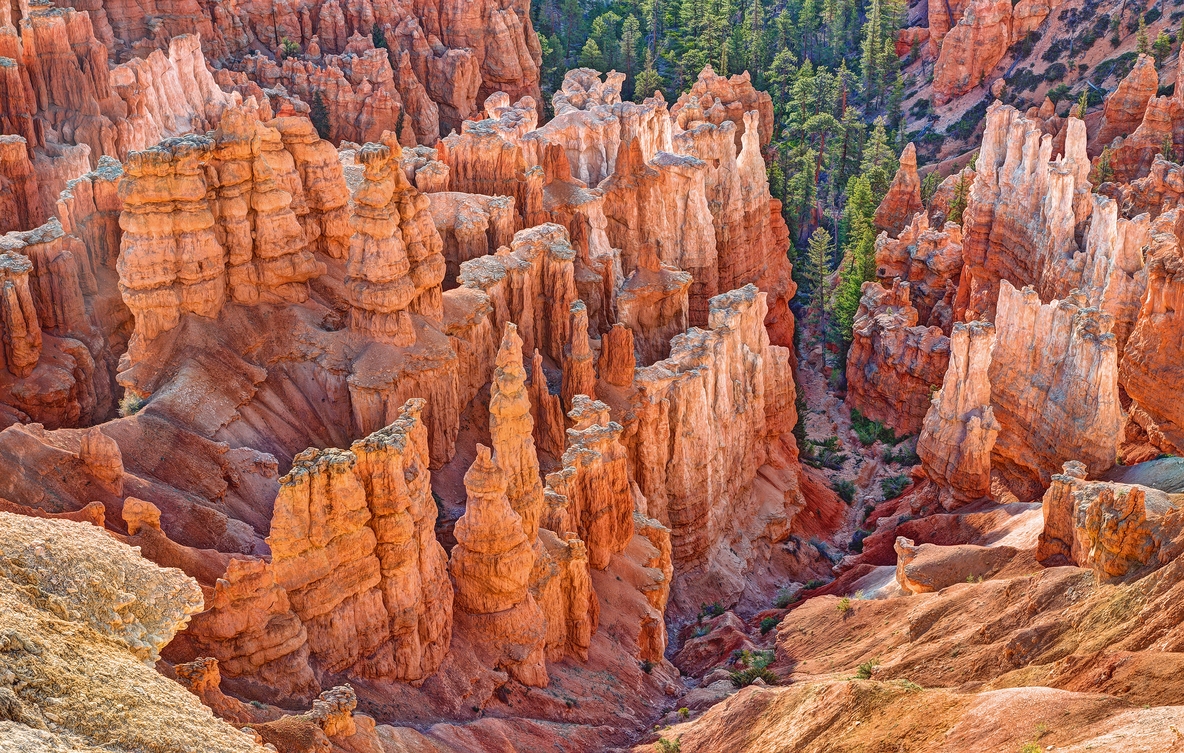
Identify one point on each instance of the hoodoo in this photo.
(473, 376)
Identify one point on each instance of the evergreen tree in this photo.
(604, 31)
(630, 38)
(850, 152)
(801, 189)
(651, 16)
(692, 17)
(754, 42)
(378, 36)
(871, 53)
(648, 80)
(319, 115)
(1082, 104)
(572, 14)
(879, 160)
(1141, 44)
(1103, 172)
(590, 56)
(859, 254)
(781, 75)
(958, 203)
(818, 258)
(1161, 47)
(929, 186)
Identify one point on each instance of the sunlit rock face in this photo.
(894, 364)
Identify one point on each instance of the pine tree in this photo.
(572, 15)
(604, 31)
(1161, 47)
(319, 115)
(859, 267)
(818, 258)
(648, 80)
(755, 42)
(859, 211)
(850, 146)
(651, 15)
(859, 253)
(590, 56)
(781, 75)
(1082, 104)
(870, 59)
(801, 189)
(879, 160)
(692, 16)
(630, 37)
(1141, 44)
(1103, 172)
(958, 203)
(378, 36)
(929, 186)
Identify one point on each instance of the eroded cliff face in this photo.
(959, 431)
(1115, 529)
(382, 605)
(930, 260)
(893, 363)
(301, 394)
(1145, 368)
(1022, 211)
(970, 38)
(1069, 347)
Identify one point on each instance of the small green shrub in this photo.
(707, 611)
(746, 677)
(701, 631)
(969, 121)
(1022, 80)
(814, 583)
(894, 486)
(684, 712)
(647, 666)
(784, 598)
(844, 605)
(869, 431)
(753, 665)
(1027, 44)
(824, 454)
(288, 48)
(865, 670)
(668, 746)
(378, 36)
(1055, 50)
(131, 404)
(1059, 92)
(920, 109)
(1116, 66)
(768, 624)
(903, 456)
(1055, 72)
(845, 489)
